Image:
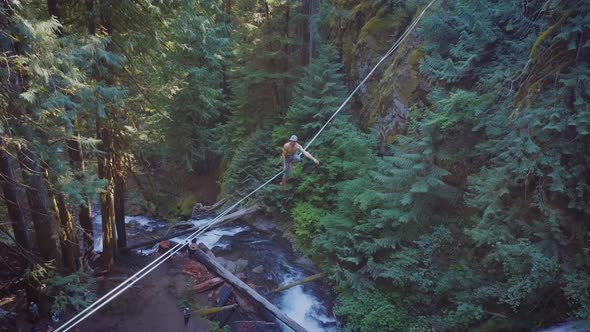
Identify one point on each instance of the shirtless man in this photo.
(289, 156)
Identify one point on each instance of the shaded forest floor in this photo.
(152, 304)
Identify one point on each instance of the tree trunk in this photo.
(44, 220)
(11, 197)
(77, 165)
(84, 215)
(46, 225)
(106, 155)
(69, 243)
(54, 10)
(305, 31)
(226, 6)
(91, 25)
(120, 191)
(287, 56)
(107, 201)
(308, 47)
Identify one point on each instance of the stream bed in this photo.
(259, 251)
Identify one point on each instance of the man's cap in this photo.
(293, 138)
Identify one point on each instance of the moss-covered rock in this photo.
(399, 89)
(378, 31)
(183, 208)
(384, 101)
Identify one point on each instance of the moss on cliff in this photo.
(379, 30)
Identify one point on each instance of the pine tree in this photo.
(199, 45)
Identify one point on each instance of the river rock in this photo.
(304, 261)
(233, 266)
(264, 225)
(259, 269)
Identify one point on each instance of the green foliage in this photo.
(317, 95)
(306, 218)
(480, 212)
(263, 66)
(59, 92)
(374, 311)
(72, 291)
(198, 46)
(480, 207)
(577, 291)
(253, 162)
(214, 327)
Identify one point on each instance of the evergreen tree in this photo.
(199, 46)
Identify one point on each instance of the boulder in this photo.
(234, 267)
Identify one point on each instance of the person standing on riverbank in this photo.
(34, 310)
(192, 248)
(187, 315)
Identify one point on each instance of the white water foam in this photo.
(97, 241)
(141, 220)
(211, 238)
(199, 222)
(146, 223)
(150, 251)
(304, 308)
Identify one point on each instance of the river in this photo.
(268, 261)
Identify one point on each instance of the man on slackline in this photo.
(289, 156)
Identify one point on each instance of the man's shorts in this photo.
(288, 161)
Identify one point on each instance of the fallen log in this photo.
(200, 209)
(227, 218)
(245, 304)
(299, 282)
(241, 286)
(214, 310)
(223, 295)
(207, 285)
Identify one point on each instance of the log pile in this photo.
(197, 271)
(234, 290)
(223, 297)
(207, 285)
(226, 300)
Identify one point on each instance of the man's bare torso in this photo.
(290, 148)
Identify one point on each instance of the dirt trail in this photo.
(151, 305)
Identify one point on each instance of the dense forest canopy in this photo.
(453, 192)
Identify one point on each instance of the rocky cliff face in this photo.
(364, 33)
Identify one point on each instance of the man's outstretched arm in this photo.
(308, 155)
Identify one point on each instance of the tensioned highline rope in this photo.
(105, 299)
(388, 53)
